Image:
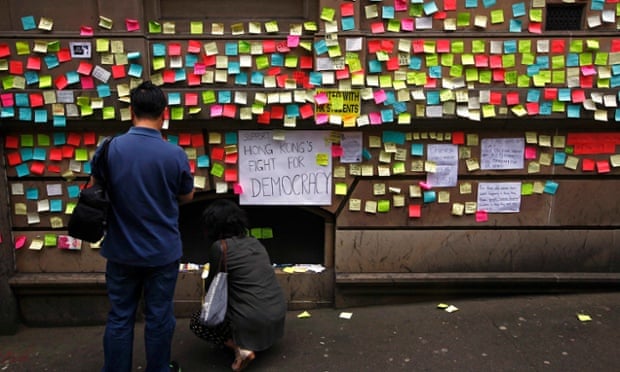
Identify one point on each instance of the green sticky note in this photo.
(86, 110)
(208, 97)
(393, 25)
(267, 232)
(557, 62)
(558, 76)
(600, 58)
(102, 45)
(432, 60)
(447, 59)
(576, 46)
(256, 232)
(43, 139)
(327, 14)
(463, 19)
(508, 60)
(485, 77)
(527, 188)
(45, 81)
(510, 77)
(22, 47)
(291, 61)
(108, 112)
(340, 188)
(585, 59)
(523, 81)
(53, 46)
(497, 16)
(154, 27)
(159, 63)
(536, 15)
(244, 47)
(217, 170)
(398, 167)
(456, 70)
(471, 74)
(478, 46)
(457, 46)
(196, 27)
(383, 206)
(81, 154)
(528, 59)
(50, 240)
(26, 140)
(177, 112)
(525, 46)
(310, 26)
(262, 62)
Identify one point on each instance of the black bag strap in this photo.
(102, 161)
(223, 258)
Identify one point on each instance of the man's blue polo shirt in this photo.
(145, 176)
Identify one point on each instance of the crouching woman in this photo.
(256, 304)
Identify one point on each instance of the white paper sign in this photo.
(446, 158)
(284, 171)
(502, 153)
(499, 197)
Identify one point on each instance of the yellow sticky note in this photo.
(584, 317)
(304, 315)
(322, 159)
(341, 188)
(196, 27)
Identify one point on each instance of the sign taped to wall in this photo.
(285, 168)
(343, 103)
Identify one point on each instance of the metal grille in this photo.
(564, 17)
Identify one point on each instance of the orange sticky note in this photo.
(230, 175)
(587, 165)
(36, 100)
(118, 71)
(64, 55)
(217, 153)
(415, 210)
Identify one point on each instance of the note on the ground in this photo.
(345, 315)
(584, 317)
(304, 315)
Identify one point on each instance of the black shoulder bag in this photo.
(89, 218)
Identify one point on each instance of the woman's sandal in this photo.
(242, 359)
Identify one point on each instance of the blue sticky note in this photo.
(173, 138)
(28, 23)
(73, 191)
(21, 100)
(510, 46)
(432, 97)
(203, 161)
(564, 95)
(257, 78)
(174, 98)
(103, 90)
(393, 137)
(488, 3)
(316, 78)
(515, 25)
(190, 60)
(572, 60)
(55, 205)
(615, 69)
(25, 114)
(366, 154)
(415, 63)
(545, 108)
(573, 111)
(348, 23)
(390, 98)
(133, 55)
(7, 112)
(277, 60)
(374, 66)
(533, 95)
(51, 61)
(435, 72)
(59, 121)
(224, 96)
(230, 138)
(429, 196)
(179, 74)
(72, 77)
(22, 170)
(617, 115)
(399, 107)
(292, 110)
(135, 70)
(429, 8)
(550, 187)
(32, 193)
(32, 77)
(320, 46)
(234, 67)
(86, 168)
(597, 5)
(559, 157)
(59, 138)
(518, 9)
(387, 12)
(40, 116)
(614, 82)
(159, 50)
(471, 3)
(417, 149)
(241, 78)
(231, 49)
(387, 116)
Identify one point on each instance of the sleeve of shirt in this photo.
(186, 177)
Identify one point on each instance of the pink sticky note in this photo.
(132, 24)
(86, 31)
(216, 110)
(530, 152)
(400, 5)
(424, 185)
(415, 210)
(380, 96)
(377, 28)
(337, 151)
(20, 241)
(482, 216)
(375, 118)
(407, 24)
(321, 98)
(321, 119)
(602, 166)
(237, 189)
(292, 41)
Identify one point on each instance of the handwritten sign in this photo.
(294, 169)
(446, 158)
(344, 103)
(499, 197)
(501, 153)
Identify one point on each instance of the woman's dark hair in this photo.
(224, 219)
(148, 101)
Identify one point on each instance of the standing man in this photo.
(147, 178)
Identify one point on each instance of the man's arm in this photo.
(186, 197)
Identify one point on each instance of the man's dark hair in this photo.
(224, 219)
(147, 101)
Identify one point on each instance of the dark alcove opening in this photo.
(298, 233)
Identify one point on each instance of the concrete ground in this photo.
(513, 333)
